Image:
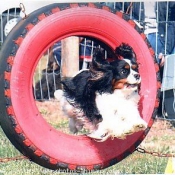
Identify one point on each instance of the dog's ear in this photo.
(125, 51)
(99, 62)
(100, 73)
(99, 53)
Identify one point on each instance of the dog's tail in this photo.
(58, 94)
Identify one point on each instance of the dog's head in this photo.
(125, 70)
(122, 72)
(125, 74)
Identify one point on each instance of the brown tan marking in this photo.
(134, 66)
(127, 66)
(118, 84)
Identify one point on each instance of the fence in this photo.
(7, 21)
(47, 74)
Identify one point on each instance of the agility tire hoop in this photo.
(20, 118)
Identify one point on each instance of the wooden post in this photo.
(69, 56)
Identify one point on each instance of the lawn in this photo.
(161, 138)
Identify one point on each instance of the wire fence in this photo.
(47, 77)
(47, 74)
(8, 20)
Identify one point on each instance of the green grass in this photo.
(136, 163)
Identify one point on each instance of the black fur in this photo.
(125, 51)
(80, 90)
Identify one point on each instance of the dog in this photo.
(104, 98)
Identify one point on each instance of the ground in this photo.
(160, 138)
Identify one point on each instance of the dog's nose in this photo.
(137, 76)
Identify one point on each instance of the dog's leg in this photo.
(117, 123)
(128, 121)
(103, 131)
(72, 125)
(104, 128)
(101, 134)
(69, 111)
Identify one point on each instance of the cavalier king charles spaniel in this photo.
(104, 98)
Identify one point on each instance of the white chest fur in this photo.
(120, 114)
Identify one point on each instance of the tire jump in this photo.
(20, 53)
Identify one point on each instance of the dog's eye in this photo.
(137, 70)
(123, 71)
(135, 67)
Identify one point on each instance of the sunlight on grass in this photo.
(136, 163)
(51, 112)
(159, 139)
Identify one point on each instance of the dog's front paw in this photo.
(100, 134)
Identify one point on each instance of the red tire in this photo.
(20, 118)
